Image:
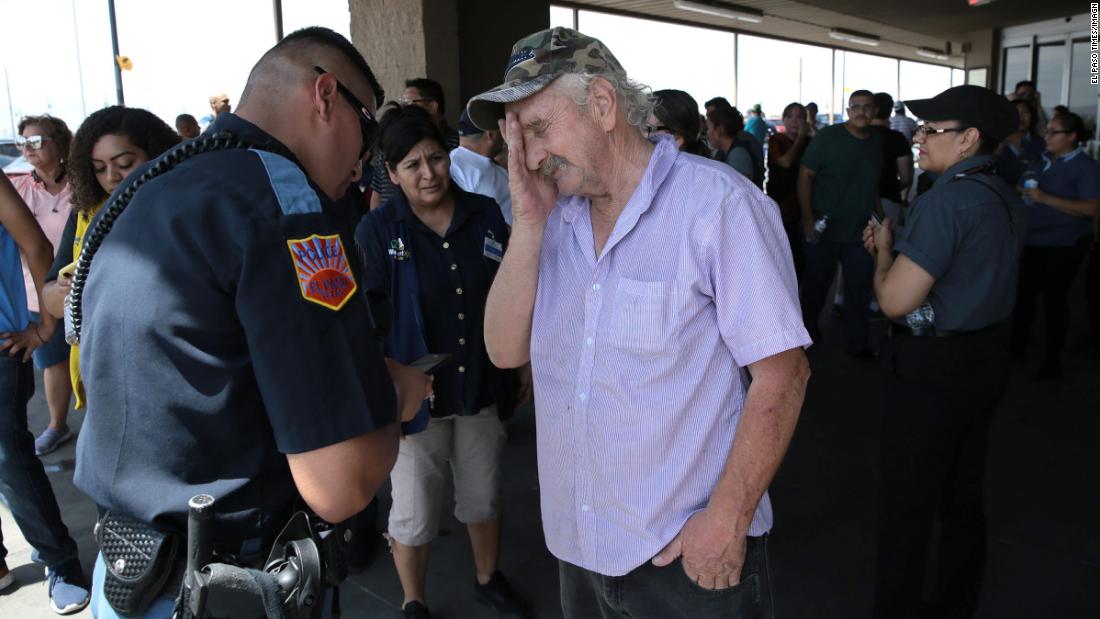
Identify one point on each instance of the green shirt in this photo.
(846, 182)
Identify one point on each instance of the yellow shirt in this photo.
(83, 220)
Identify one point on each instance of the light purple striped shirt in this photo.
(638, 355)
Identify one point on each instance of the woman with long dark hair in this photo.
(109, 145)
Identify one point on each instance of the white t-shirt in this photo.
(478, 174)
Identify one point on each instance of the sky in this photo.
(51, 48)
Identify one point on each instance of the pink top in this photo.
(51, 212)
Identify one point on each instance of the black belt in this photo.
(897, 330)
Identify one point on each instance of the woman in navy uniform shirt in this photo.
(436, 249)
(946, 285)
(1061, 213)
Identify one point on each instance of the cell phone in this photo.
(430, 362)
(67, 270)
(875, 218)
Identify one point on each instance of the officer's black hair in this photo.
(729, 119)
(430, 90)
(144, 130)
(404, 128)
(679, 113)
(185, 118)
(329, 38)
(716, 102)
(1024, 83)
(884, 105)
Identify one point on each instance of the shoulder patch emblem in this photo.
(324, 275)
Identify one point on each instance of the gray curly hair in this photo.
(637, 100)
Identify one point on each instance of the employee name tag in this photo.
(493, 250)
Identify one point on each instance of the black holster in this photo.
(139, 561)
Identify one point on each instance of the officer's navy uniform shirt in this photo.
(1074, 176)
(967, 233)
(438, 286)
(204, 361)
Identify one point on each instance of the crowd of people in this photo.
(327, 271)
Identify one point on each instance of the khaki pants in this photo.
(473, 445)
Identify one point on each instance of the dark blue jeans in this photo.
(23, 481)
(650, 592)
(858, 268)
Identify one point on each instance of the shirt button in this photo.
(588, 341)
(458, 291)
(454, 267)
(585, 507)
(446, 245)
(596, 287)
(461, 341)
(461, 316)
(461, 369)
(583, 397)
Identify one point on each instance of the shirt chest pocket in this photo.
(644, 316)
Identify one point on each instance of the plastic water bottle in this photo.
(1030, 181)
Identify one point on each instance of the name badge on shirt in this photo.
(397, 249)
(493, 250)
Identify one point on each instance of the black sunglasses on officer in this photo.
(368, 126)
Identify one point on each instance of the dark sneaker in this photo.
(415, 610)
(68, 591)
(50, 440)
(501, 596)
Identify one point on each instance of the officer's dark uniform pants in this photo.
(940, 397)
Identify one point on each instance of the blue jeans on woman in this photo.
(23, 480)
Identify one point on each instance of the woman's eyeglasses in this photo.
(368, 126)
(30, 142)
(926, 131)
(651, 129)
(1056, 131)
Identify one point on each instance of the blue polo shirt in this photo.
(224, 328)
(439, 285)
(13, 295)
(1074, 176)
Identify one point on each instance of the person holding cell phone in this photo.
(947, 286)
(436, 250)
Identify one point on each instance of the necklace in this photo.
(56, 181)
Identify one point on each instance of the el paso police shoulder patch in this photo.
(324, 275)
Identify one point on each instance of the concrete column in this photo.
(462, 44)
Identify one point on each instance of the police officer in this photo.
(227, 347)
(947, 284)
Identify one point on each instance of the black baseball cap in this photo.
(973, 106)
(467, 126)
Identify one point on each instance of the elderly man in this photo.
(647, 287)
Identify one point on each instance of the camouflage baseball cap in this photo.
(537, 60)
